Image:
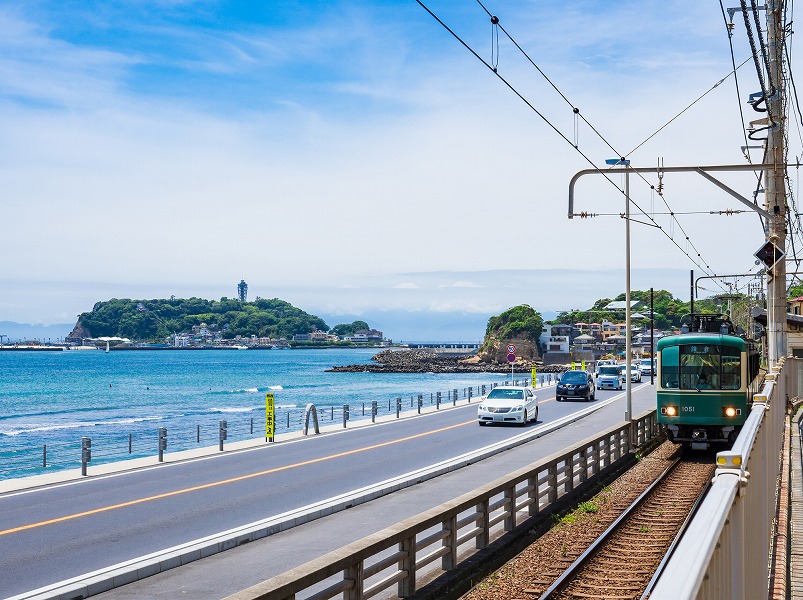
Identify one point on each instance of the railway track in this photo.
(621, 563)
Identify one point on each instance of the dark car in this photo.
(576, 384)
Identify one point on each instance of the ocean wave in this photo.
(238, 391)
(131, 420)
(51, 413)
(25, 429)
(230, 409)
(275, 387)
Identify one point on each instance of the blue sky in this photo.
(353, 158)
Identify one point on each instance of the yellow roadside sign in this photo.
(270, 420)
(533, 380)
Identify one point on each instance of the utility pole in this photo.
(775, 181)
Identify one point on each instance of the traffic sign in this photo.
(511, 358)
(270, 417)
(511, 348)
(769, 254)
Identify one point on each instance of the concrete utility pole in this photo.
(775, 181)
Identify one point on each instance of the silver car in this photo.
(508, 404)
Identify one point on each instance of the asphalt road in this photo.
(61, 531)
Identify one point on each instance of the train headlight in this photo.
(730, 411)
(669, 411)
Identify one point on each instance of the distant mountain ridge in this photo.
(16, 332)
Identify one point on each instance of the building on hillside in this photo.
(584, 342)
(561, 329)
(622, 305)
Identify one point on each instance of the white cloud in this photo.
(336, 166)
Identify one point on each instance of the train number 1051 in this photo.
(687, 409)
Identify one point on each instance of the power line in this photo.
(576, 111)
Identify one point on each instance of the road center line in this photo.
(231, 480)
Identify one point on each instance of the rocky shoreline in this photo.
(425, 361)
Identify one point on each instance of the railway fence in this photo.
(728, 548)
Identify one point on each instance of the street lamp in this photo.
(628, 345)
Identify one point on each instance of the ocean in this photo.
(49, 401)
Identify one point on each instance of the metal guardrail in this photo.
(35, 460)
(726, 550)
(400, 555)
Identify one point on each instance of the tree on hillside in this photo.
(345, 329)
(519, 321)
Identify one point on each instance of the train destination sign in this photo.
(769, 254)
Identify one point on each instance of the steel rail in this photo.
(562, 582)
(675, 541)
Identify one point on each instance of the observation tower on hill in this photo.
(242, 290)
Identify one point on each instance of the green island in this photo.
(193, 322)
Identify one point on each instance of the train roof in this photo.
(702, 338)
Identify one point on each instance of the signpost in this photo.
(511, 357)
(769, 254)
(270, 417)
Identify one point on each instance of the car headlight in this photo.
(518, 408)
(481, 407)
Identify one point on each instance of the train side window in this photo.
(669, 367)
(731, 368)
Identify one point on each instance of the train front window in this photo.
(700, 367)
(669, 367)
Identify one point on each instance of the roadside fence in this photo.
(100, 449)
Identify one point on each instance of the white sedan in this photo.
(635, 373)
(508, 404)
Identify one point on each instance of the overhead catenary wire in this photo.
(577, 113)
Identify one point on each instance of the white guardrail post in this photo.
(725, 551)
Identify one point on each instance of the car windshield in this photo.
(574, 377)
(508, 394)
(609, 371)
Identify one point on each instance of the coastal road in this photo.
(57, 532)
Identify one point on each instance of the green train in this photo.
(707, 377)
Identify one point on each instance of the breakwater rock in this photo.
(427, 361)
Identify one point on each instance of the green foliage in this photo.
(157, 319)
(669, 311)
(349, 328)
(519, 321)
